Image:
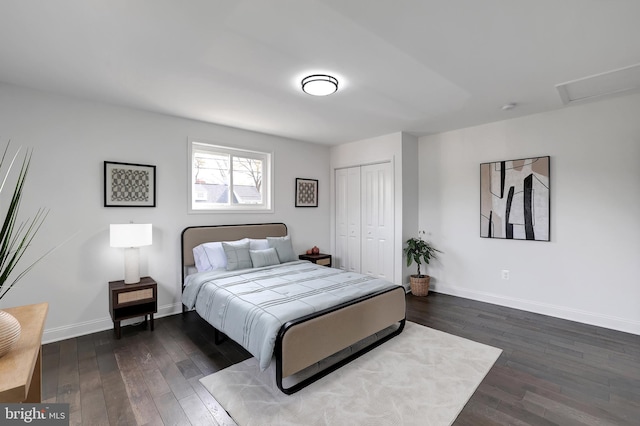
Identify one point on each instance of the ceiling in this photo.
(419, 66)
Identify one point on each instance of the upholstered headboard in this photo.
(195, 235)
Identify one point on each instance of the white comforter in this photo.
(251, 305)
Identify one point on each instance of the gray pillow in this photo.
(266, 257)
(283, 248)
(237, 253)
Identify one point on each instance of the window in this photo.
(224, 179)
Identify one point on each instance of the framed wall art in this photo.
(129, 185)
(515, 199)
(306, 192)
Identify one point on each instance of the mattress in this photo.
(251, 305)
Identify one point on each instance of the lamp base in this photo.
(131, 265)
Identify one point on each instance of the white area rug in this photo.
(421, 377)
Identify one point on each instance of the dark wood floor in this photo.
(551, 371)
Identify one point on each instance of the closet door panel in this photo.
(347, 254)
(342, 220)
(369, 194)
(377, 220)
(354, 225)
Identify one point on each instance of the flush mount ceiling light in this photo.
(319, 85)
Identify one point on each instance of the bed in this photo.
(318, 312)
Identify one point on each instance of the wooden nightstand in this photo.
(132, 300)
(319, 259)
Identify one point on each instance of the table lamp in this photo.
(130, 236)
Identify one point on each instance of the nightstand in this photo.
(319, 259)
(132, 300)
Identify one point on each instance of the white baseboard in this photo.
(88, 327)
(606, 321)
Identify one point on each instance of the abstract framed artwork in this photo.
(129, 185)
(515, 199)
(306, 192)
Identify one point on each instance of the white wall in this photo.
(410, 199)
(589, 272)
(71, 139)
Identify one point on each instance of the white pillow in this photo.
(237, 253)
(283, 248)
(266, 257)
(262, 244)
(209, 256)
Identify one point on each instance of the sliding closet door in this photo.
(347, 254)
(377, 220)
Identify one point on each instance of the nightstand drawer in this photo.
(324, 262)
(133, 296)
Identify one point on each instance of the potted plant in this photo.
(418, 250)
(15, 238)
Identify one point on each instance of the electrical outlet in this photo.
(505, 274)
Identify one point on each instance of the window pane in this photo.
(247, 180)
(210, 178)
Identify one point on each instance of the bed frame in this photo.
(308, 340)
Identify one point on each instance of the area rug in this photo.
(421, 377)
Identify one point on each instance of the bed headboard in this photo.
(195, 235)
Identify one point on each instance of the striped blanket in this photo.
(251, 305)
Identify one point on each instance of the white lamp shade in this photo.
(130, 235)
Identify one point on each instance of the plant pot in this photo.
(419, 284)
(9, 332)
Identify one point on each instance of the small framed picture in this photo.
(129, 185)
(306, 192)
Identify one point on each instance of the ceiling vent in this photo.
(596, 86)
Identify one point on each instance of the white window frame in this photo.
(267, 179)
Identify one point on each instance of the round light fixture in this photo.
(319, 85)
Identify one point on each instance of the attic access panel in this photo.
(515, 199)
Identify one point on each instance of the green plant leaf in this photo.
(419, 251)
(14, 241)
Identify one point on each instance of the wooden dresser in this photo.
(21, 368)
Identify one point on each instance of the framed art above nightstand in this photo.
(306, 192)
(129, 185)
